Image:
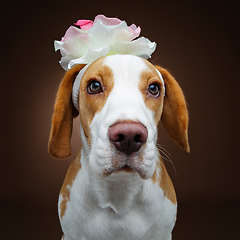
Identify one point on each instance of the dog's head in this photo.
(121, 100)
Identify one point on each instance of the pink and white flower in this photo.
(105, 36)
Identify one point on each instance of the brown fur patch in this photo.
(164, 181)
(167, 185)
(175, 114)
(154, 177)
(90, 104)
(62, 120)
(68, 182)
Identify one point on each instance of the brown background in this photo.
(197, 42)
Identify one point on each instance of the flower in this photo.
(105, 36)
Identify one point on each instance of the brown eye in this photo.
(154, 90)
(94, 87)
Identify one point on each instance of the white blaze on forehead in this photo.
(125, 101)
(126, 68)
(125, 98)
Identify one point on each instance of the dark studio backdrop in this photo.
(198, 42)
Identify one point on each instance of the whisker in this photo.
(154, 60)
(166, 156)
(86, 148)
(166, 151)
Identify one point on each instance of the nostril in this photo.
(120, 138)
(137, 138)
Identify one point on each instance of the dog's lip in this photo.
(125, 168)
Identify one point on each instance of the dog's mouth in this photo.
(131, 167)
(126, 169)
(131, 164)
(120, 162)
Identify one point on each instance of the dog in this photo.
(118, 188)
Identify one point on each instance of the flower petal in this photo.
(74, 46)
(107, 21)
(65, 61)
(141, 47)
(84, 24)
(101, 35)
(90, 57)
(74, 32)
(134, 30)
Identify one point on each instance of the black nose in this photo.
(128, 137)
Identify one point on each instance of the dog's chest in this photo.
(122, 208)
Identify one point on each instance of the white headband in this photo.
(76, 86)
(160, 75)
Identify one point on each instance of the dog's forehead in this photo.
(126, 67)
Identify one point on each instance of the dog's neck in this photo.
(116, 192)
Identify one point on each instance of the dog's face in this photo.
(121, 100)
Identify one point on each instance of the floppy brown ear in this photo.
(175, 113)
(59, 145)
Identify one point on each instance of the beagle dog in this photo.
(117, 188)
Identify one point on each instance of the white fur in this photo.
(125, 102)
(118, 207)
(121, 206)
